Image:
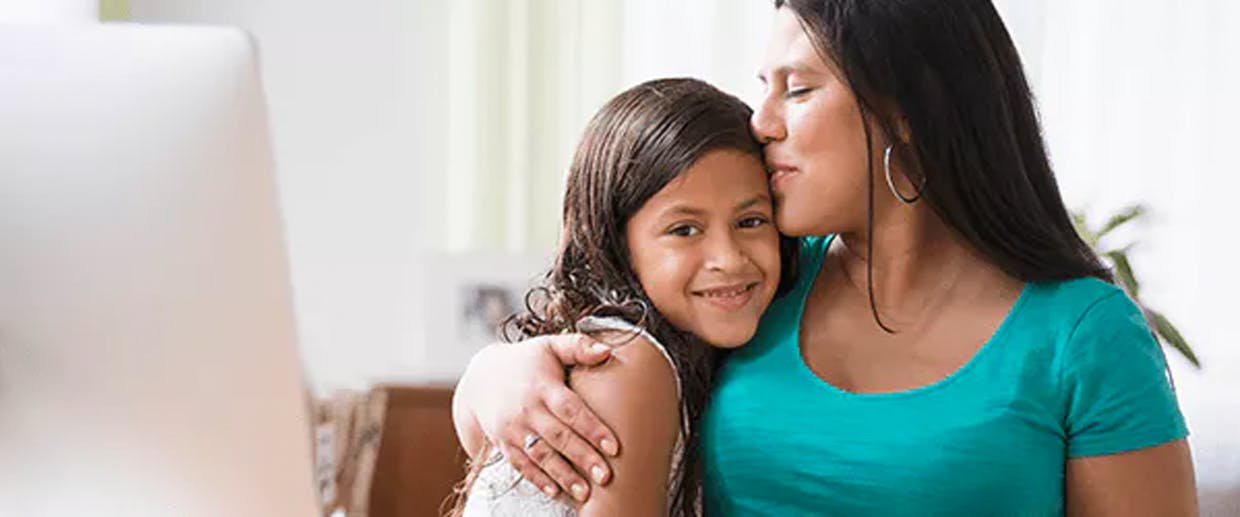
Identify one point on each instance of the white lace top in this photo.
(499, 491)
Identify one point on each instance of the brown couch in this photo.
(419, 459)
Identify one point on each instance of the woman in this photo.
(952, 347)
(669, 252)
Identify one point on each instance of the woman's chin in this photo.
(792, 223)
(800, 223)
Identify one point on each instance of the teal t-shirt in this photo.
(1072, 371)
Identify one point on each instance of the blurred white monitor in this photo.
(148, 363)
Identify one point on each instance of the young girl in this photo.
(669, 255)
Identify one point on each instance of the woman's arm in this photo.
(1127, 453)
(635, 394)
(1154, 481)
(510, 391)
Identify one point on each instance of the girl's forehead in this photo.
(719, 179)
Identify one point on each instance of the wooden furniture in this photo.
(419, 458)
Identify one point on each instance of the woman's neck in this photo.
(918, 260)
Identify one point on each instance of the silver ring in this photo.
(530, 440)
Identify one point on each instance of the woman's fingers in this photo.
(573, 412)
(578, 350)
(537, 403)
(550, 463)
(515, 455)
(566, 444)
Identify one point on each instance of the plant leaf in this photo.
(1082, 229)
(1117, 220)
(1123, 272)
(1172, 337)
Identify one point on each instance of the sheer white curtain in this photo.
(521, 77)
(1139, 104)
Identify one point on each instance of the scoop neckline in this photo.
(806, 371)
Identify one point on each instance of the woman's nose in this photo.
(767, 123)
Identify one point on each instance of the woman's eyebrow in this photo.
(790, 68)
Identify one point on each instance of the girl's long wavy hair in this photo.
(633, 147)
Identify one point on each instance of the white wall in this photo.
(1146, 110)
(351, 89)
(79, 11)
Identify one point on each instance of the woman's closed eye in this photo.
(798, 91)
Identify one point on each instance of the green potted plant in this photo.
(1162, 328)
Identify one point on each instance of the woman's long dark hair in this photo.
(948, 72)
(638, 143)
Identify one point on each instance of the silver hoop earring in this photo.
(891, 182)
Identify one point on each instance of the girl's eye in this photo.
(684, 230)
(752, 222)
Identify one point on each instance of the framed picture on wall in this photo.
(468, 296)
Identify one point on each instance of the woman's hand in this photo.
(514, 391)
